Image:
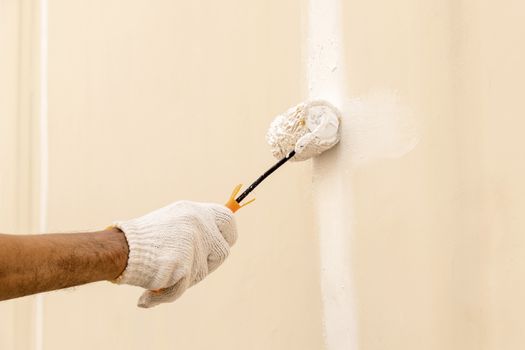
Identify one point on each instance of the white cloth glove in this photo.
(175, 247)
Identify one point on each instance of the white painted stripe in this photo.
(325, 69)
(44, 159)
(326, 80)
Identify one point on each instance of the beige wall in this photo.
(150, 103)
(18, 97)
(157, 101)
(435, 234)
(8, 64)
(418, 211)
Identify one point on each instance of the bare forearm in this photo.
(31, 264)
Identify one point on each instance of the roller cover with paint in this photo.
(302, 132)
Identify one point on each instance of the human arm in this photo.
(166, 252)
(32, 264)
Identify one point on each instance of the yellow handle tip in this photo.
(232, 203)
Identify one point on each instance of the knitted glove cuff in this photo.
(141, 259)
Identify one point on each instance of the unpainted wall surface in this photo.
(150, 103)
(161, 101)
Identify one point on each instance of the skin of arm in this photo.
(32, 264)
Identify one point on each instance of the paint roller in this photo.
(300, 133)
(303, 132)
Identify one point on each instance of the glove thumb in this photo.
(151, 298)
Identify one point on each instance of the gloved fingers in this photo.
(215, 259)
(225, 221)
(151, 298)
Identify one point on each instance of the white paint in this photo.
(44, 159)
(285, 130)
(378, 126)
(310, 128)
(323, 121)
(334, 201)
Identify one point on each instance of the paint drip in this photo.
(309, 129)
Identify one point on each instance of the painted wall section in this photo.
(325, 79)
(426, 192)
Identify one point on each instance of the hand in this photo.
(175, 247)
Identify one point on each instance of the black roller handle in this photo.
(264, 176)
